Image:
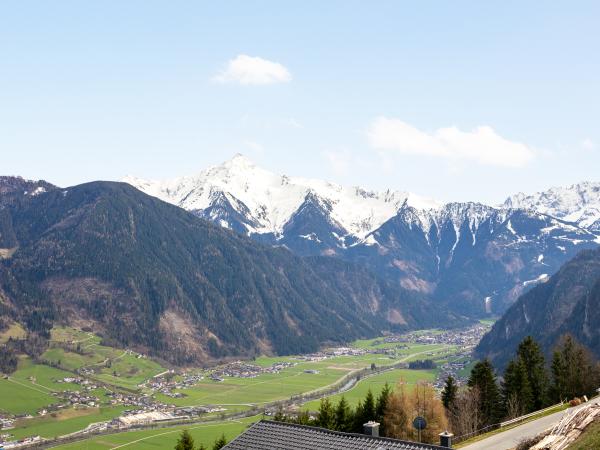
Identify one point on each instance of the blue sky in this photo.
(453, 100)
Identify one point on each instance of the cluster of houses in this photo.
(464, 337)
(332, 353)
(241, 369)
(454, 369)
(6, 423)
(6, 444)
(80, 398)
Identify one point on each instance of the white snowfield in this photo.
(272, 199)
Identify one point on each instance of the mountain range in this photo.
(151, 275)
(475, 258)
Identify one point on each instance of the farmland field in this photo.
(30, 388)
(376, 383)
(64, 421)
(163, 438)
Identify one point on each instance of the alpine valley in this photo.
(476, 259)
(238, 261)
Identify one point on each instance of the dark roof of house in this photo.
(268, 435)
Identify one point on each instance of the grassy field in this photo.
(31, 387)
(64, 421)
(17, 398)
(376, 383)
(164, 438)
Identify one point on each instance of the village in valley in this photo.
(110, 389)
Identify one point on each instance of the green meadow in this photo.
(31, 388)
(163, 438)
(64, 421)
(375, 383)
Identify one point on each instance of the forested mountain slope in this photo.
(568, 303)
(151, 275)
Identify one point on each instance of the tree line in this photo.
(528, 384)
(394, 409)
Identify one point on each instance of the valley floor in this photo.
(94, 384)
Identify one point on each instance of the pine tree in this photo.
(516, 391)
(449, 392)
(369, 407)
(381, 405)
(343, 416)
(574, 371)
(326, 415)
(358, 419)
(483, 378)
(532, 357)
(185, 441)
(220, 443)
(559, 377)
(303, 418)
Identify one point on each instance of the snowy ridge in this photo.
(267, 202)
(272, 199)
(578, 203)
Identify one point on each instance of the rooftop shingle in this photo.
(268, 435)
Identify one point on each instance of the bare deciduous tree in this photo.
(464, 414)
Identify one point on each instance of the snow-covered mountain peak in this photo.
(579, 203)
(272, 199)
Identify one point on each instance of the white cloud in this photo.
(482, 145)
(247, 70)
(588, 144)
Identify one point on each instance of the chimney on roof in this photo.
(371, 428)
(446, 439)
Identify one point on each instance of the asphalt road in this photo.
(510, 439)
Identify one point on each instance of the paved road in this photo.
(510, 439)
